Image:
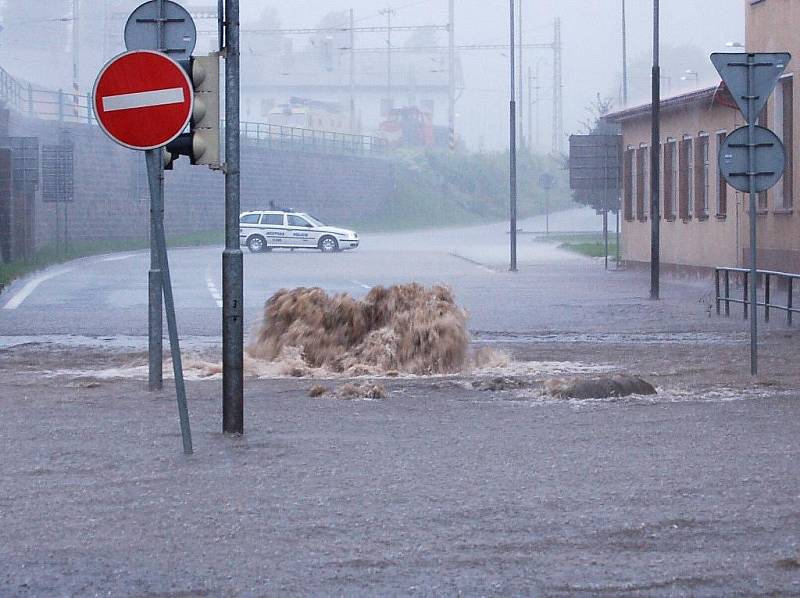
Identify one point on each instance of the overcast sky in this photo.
(591, 32)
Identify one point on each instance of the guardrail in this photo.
(312, 140)
(60, 106)
(722, 282)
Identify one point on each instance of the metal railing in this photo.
(722, 285)
(310, 140)
(61, 106)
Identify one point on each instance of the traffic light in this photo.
(201, 144)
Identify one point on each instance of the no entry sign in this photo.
(143, 99)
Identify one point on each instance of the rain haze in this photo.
(304, 315)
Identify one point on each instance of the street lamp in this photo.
(655, 162)
(512, 154)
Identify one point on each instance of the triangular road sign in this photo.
(736, 68)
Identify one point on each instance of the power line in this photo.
(342, 29)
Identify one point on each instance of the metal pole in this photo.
(616, 218)
(155, 282)
(655, 165)
(530, 108)
(221, 24)
(751, 140)
(75, 54)
(605, 204)
(388, 12)
(451, 83)
(352, 73)
(513, 154)
(521, 86)
(232, 260)
(155, 172)
(624, 56)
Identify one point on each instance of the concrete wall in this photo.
(111, 195)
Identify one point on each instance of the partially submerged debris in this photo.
(362, 391)
(318, 390)
(498, 383)
(600, 387)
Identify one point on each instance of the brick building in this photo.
(705, 221)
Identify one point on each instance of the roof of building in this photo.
(708, 96)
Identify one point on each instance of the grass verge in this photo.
(48, 256)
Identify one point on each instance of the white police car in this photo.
(272, 229)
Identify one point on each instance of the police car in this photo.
(272, 229)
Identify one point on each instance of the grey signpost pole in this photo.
(155, 332)
(155, 172)
(752, 158)
(751, 150)
(232, 259)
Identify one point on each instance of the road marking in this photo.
(212, 288)
(362, 285)
(143, 99)
(116, 258)
(475, 263)
(25, 291)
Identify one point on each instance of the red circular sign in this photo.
(143, 99)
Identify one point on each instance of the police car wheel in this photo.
(328, 244)
(256, 244)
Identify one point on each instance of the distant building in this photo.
(419, 79)
(705, 222)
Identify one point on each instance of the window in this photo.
(627, 184)
(670, 178)
(722, 186)
(249, 219)
(297, 221)
(272, 219)
(686, 180)
(644, 181)
(701, 176)
(641, 183)
(784, 127)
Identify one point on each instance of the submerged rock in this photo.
(600, 387)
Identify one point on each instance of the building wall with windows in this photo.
(701, 215)
(705, 223)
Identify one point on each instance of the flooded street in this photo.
(477, 483)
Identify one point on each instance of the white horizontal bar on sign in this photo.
(143, 99)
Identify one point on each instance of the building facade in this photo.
(705, 222)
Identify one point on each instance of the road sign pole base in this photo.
(232, 342)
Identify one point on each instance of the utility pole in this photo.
(451, 83)
(512, 114)
(352, 74)
(520, 102)
(558, 99)
(232, 262)
(388, 12)
(530, 107)
(76, 12)
(624, 57)
(655, 156)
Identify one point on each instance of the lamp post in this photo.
(512, 154)
(624, 57)
(655, 164)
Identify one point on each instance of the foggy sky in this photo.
(591, 32)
